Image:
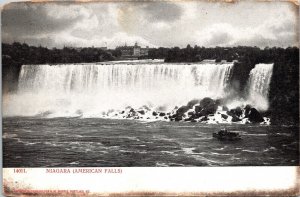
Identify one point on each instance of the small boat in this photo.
(223, 134)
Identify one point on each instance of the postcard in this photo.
(150, 98)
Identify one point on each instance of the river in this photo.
(96, 142)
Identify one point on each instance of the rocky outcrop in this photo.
(181, 110)
(206, 110)
(254, 116)
(224, 116)
(208, 106)
(196, 110)
(154, 113)
(237, 112)
(193, 102)
(162, 114)
(141, 112)
(235, 118)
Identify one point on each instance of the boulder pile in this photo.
(206, 110)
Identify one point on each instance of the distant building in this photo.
(78, 49)
(133, 51)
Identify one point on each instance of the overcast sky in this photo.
(152, 24)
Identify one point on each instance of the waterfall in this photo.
(259, 84)
(91, 89)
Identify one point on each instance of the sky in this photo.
(152, 23)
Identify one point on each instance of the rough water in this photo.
(70, 142)
(55, 117)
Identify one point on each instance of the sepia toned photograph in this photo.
(150, 84)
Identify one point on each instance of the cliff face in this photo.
(10, 73)
(284, 86)
(284, 89)
(240, 76)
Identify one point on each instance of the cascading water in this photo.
(259, 83)
(90, 89)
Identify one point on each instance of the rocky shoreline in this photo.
(206, 110)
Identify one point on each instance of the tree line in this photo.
(16, 54)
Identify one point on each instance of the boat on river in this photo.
(223, 134)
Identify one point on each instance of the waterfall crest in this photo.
(91, 89)
(259, 84)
